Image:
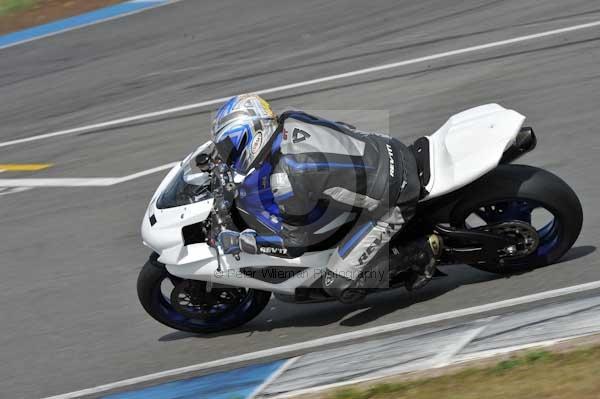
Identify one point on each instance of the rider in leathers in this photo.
(317, 169)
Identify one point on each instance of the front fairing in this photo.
(173, 206)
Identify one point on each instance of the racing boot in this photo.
(422, 258)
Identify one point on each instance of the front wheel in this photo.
(191, 306)
(527, 194)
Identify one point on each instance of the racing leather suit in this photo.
(324, 168)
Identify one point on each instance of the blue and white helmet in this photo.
(250, 123)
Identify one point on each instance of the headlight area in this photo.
(179, 193)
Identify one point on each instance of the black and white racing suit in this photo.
(320, 163)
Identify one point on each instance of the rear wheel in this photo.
(526, 194)
(189, 305)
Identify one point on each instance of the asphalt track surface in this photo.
(70, 318)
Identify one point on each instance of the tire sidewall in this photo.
(153, 274)
(509, 182)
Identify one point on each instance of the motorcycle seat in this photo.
(466, 147)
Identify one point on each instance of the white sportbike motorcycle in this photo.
(491, 214)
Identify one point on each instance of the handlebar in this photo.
(224, 193)
(223, 190)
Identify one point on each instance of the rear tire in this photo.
(158, 306)
(526, 185)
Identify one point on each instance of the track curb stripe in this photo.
(80, 21)
(237, 383)
(335, 339)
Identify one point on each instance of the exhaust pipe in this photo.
(525, 142)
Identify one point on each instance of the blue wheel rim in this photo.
(226, 317)
(522, 209)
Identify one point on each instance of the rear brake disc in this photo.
(525, 238)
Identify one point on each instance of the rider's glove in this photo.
(248, 241)
(229, 241)
(232, 242)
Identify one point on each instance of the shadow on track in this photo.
(449, 283)
(375, 306)
(576, 253)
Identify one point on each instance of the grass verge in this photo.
(21, 14)
(536, 374)
(13, 6)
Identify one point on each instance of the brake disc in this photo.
(525, 238)
(191, 299)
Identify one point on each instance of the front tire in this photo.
(514, 192)
(247, 305)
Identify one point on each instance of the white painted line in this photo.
(82, 182)
(54, 33)
(285, 366)
(13, 190)
(115, 122)
(59, 182)
(146, 172)
(335, 339)
(446, 355)
(305, 83)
